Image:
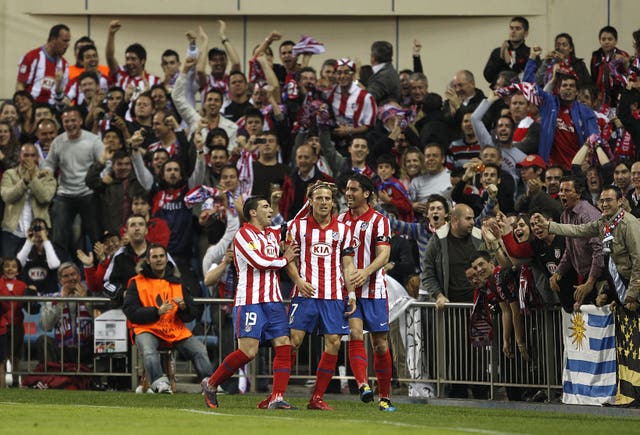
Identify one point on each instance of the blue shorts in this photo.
(322, 316)
(374, 314)
(260, 321)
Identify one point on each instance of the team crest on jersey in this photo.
(355, 242)
(23, 69)
(321, 249)
(335, 235)
(363, 226)
(270, 251)
(557, 253)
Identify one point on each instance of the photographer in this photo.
(71, 321)
(39, 259)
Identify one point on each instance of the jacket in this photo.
(385, 85)
(13, 191)
(146, 293)
(584, 119)
(434, 278)
(625, 247)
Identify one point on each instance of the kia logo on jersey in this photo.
(321, 249)
(270, 251)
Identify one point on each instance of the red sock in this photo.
(382, 366)
(231, 363)
(358, 361)
(281, 369)
(324, 373)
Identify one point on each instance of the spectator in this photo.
(79, 67)
(535, 198)
(512, 54)
(72, 322)
(43, 72)
(267, 171)
(170, 138)
(466, 148)
(411, 166)
(564, 122)
(12, 319)
(304, 174)
(27, 192)
(71, 155)
(104, 250)
(132, 76)
(462, 97)
(114, 184)
(622, 176)
(563, 55)
(90, 60)
(602, 60)
(552, 178)
(211, 106)
(26, 116)
(390, 190)
(436, 179)
(39, 259)
(384, 84)
(627, 113)
(9, 146)
(238, 94)
(47, 132)
(633, 196)
(158, 305)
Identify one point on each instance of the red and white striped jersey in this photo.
(37, 70)
(355, 109)
(76, 96)
(213, 83)
(123, 80)
(369, 230)
(321, 252)
(257, 263)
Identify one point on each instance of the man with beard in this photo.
(582, 255)
(565, 123)
(168, 203)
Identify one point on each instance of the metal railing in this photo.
(429, 347)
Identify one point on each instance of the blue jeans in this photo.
(11, 244)
(189, 348)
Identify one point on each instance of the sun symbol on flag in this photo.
(578, 330)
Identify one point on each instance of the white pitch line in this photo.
(386, 422)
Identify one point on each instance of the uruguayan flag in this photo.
(589, 375)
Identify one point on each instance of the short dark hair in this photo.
(82, 40)
(70, 109)
(616, 189)
(216, 132)
(154, 246)
(169, 52)
(387, 159)
(120, 154)
(608, 29)
(365, 183)
(215, 51)
(287, 42)
(480, 254)
(382, 51)
(90, 75)
(138, 50)
(522, 20)
(86, 48)
(304, 70)
(233, 167)
(251, 204)
(434, 197)
(214, 91)
(237, 72)
(137, 215)
(219, 148)
(578, 182)
(54, 32)
(252, 112)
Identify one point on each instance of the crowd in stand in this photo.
(100, 162)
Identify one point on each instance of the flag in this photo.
(628, 340)
(589, 369)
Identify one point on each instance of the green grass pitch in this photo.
(86, 412)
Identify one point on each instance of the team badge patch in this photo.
(364, 226)
(335, 235)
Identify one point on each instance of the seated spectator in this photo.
(27, 192)
(39, 259)
(158, 305)
(72, 322)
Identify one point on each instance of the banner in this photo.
(628, 339)
(589, 363)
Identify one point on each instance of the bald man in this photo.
(447, 258)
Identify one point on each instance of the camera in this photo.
(36, 228)
(260, 140)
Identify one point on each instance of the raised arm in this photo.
(232, 54)
(114, 26)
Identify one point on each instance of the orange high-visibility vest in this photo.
(152, 293)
